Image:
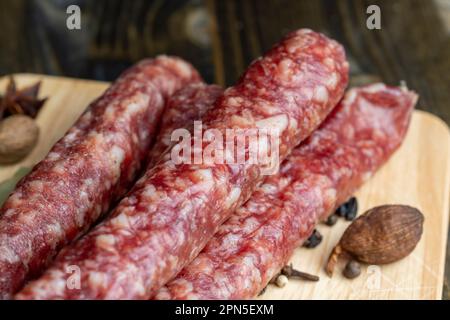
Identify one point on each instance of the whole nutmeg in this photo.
(382, 235)
(18, 136)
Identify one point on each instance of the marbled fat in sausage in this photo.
(88, 169)
(182, 109)
(174, 210)
(259, 239)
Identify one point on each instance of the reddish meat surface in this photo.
(91, 167)
(323, 172)
(173, 210)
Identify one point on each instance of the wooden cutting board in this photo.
(417, 175)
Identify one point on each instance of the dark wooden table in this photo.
(220, 37)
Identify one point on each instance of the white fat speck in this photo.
(250, 224)
(307, 93)
(110, 113)
(105, 242)
(80, 216)
(149, 191)
(16, 197)
(374, 88)
(185, 209)
(88, 182)
(268, 188)
(233, 197)
(55, 229)
(234, 101)
(60, 286)
(350, 97)
(9, 213)
(117, 154)
(135, 138)
(29, 217)
(180, 240)
(134, 107)
(293, 124)
(367, 152)
(292, 45)
(249, 261)
(183, 68)
(321, 94)
(239, 121)
(329, 62)
(59, 169)
(366, 176)
(8, 255)
(333, 80)
(330, 196)
(163, 294)
(187, 285)
(53, 156)
(70, 137)
(268, 108)
(279, 122)
(139, 288)
(285, 69)
(205, 174)
(84, 195)
(37, 185)
(120, 221)
(96, 279)
(192, 296)
(231, 240)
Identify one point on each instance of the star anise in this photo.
(24, 101)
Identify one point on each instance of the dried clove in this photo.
(290, 272)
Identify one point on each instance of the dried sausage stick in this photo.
(88, 169)
(174, 210)
(259, 239)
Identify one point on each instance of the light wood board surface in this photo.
(417, 175)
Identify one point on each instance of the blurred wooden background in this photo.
(221, 37)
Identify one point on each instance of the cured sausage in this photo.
(88, 169)
(323, 172)
(187, 105)
(174, 209)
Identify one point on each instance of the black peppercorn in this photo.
(352, 270)
(331, 221)
(314, 240)
(348, 210)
